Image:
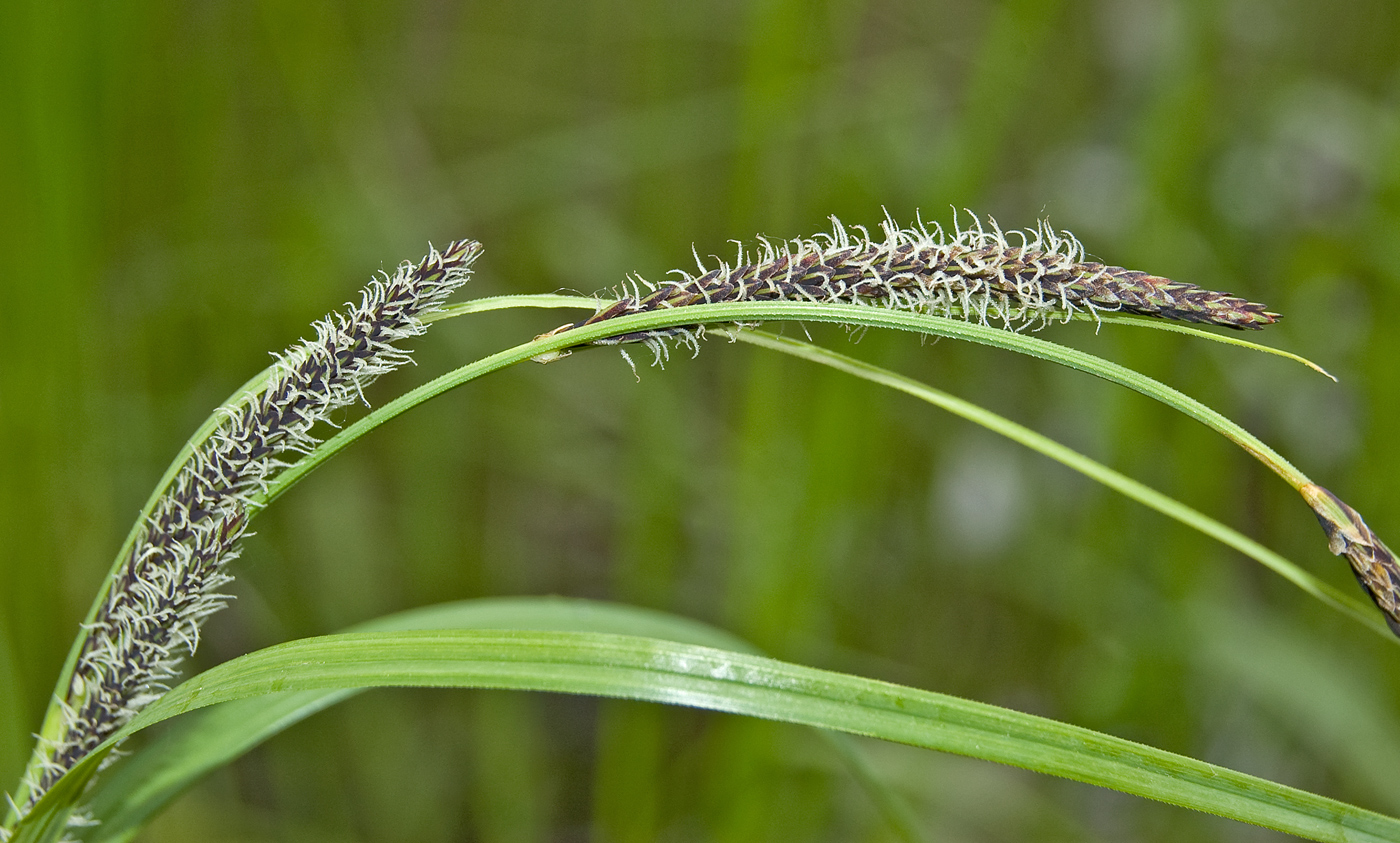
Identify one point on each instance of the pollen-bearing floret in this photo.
(979, 273)
(151, 611)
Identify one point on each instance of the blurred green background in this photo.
(183, 187)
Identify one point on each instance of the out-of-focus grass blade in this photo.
(640, 668)
(123, 799)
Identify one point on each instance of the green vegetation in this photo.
(186, 192)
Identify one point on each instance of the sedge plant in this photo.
(975, 283)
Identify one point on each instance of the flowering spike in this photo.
(1017, 278)
(1372, 562)
(154, 605)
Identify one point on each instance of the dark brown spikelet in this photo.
(1016, 278)
(1371, 561)
(1131, 291)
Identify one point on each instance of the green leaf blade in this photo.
(659, 671)
(125, 797)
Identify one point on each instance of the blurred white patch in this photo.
(1140, 36)
(1318, 162)
(585, 242)
(1094, 189)
(1252, 23)
(1319, 421)
(1339, 317)
(978, 499)
(1248, 184)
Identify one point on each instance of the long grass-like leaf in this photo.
(649, 669)
(127, 796)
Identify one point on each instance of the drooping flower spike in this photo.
(152, 610)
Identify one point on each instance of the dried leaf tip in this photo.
(1372, 562)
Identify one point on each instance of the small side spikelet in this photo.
(1017, 278)
(152, 610)
(1372, 562)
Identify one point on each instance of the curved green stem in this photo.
(1128, 487)
(847, 314)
